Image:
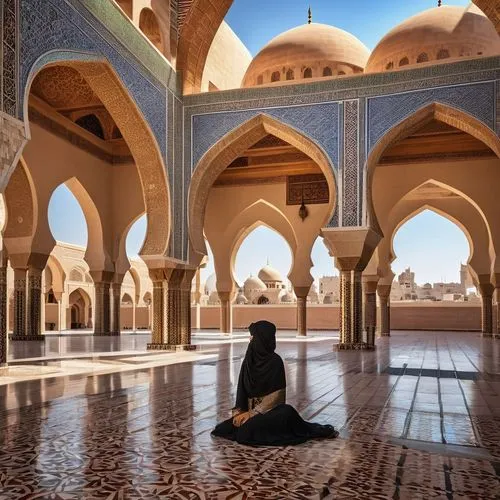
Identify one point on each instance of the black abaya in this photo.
(261, 391)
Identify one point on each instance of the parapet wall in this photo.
(404, 316)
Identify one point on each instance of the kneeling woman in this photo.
(261, 416)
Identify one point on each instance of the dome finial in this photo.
(439, 3)
(309, 16)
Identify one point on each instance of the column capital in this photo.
(351, 247)
(301, 292)
(384, 291)
(370, 284)
(101, 276)
(486, 289)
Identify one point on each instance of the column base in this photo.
(106, 334)
(487, 335)
(27, 337)
(354, 347)
(4, 370)
(171, 347)
(384, 335)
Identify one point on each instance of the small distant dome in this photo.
(438, 34)
(308, 51)
(427, 285)
(253, 283)
(241, 299)
(211, 284)
(269, 274)
(288, 297)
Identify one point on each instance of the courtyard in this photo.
(419, 417)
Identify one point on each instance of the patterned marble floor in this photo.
(419, 418)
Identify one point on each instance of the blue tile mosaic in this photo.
(55, 26)
(319, 122)
(477, 99)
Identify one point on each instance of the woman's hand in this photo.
(240, 419)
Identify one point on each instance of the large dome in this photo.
(309, 51)
(269, 274)
(445, 32)
(254, 284)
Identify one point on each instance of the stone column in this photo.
(186, 285)
(134, 327)
(34, 301)
(370, 290)
(226, 312)
(116, 289)
(352, 249)
(102, 309)
(301, 292)
(171, 326)
(197, 298)
(351, 307)
(486, 290)
(3, 314)
(384, 294)
(20, 304)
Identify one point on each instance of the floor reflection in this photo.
(419, 417)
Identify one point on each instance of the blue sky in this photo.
(431, 245)
(256, 22)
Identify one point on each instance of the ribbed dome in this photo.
(268, 273)
(438, 34)
(254, 283)
(315, 46)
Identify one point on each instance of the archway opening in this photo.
(93, 108)
(276, 166)
(263, 260)
(79, 310)
(326, 286)
(431, 255)
(148, 24)
(66, 218)
(436, 142)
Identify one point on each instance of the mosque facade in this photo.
(157, 108)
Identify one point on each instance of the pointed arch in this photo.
(58, 274)
(230, 147)
(95, 254)
(20, 204)
(443, 213)
(434, 111)
(459, 211)
(259, 214)
(136, 131)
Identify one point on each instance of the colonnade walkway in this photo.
(419, 417)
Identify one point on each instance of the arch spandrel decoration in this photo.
(54, 30)
(476, 99)
(320, 122)
(215, 161)
(135, 130)
(434, 111)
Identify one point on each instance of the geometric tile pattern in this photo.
(418, 418)
(477, 99)
(317, 122)
(9, 10)
(56, 29)
(351, 168)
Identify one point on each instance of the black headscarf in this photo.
(262, 371)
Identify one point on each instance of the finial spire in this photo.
(439, 3)
(309, 16)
